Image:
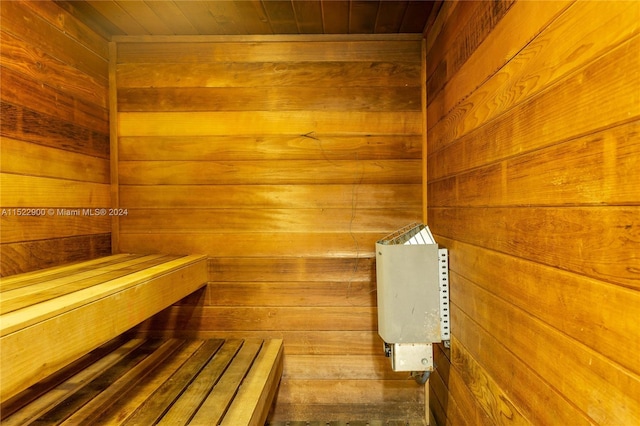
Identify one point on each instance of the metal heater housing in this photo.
(413, 300)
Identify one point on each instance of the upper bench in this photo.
(51, 317)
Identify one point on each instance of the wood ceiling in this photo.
(252, 17)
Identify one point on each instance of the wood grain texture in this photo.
(138, 381)
(28, 256)
(532, 171)
(54, 126)
(32, 347)
(271, 51)
(286, 165)
(268, 74)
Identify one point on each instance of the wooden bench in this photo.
(135, 381)
(54, 321)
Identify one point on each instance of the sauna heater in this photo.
(412, 276)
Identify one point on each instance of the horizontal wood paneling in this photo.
(55, 138)
(250, 172)
(266, 98)
(271, 51)
(268, 74)
(272, 196)
(281, 122)
(532, 168)
(312, 146)
(285, 161)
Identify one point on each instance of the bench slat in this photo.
(164, 381)
(42, 291)
(124, 407)
(40, 339)
(185, 407)
(251, 404)
(216, 404)
(154, 407)
(39, 399)
(112, 390)
(28, 278)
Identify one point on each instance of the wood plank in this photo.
(346, 412)
(68, 273)
(232, 318)
(355, 245)
(269, 172)
(266, 220)
(578, 106)
(41, 398)
(32, 255)
(172, 16)
(25, 364)
(600, 329)
(89, 403)
(467, 41)
(612, 389)
(493, 60)
(185, 406)
(389, 17)
(306, 147)
(267, 99)
(41, 192)
(595, 242)
(19, 122)
(114, 151)
(335, 17)
(487, 394)
(41, 35)
(254, 16)
(269, 74)
(147, 17)
(122, 408)
(311, 342)
(291, 294)
(48, 273)
(308, 17)
(282, 17)
(535, 398)
(18, 229)
(267, 123)
(72, 27)
(215, 406)
(276, 51)
(193, 266)
(18, 55)
(595, 169)
(415, 17)
(20, 157)
(362, 16)
(339, 367)
(253, 400)
(126, 22)
(61, 102)
(43, 291)
(271, 196)
(312, 392)
(154, 408)
(322, 269)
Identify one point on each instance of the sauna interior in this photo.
(282, 139)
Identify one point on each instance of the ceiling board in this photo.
(251, 17)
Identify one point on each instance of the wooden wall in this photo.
(55, 138)
(283, 159)
(534, 186)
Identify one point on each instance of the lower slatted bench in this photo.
(136, 381)
(51, 317)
